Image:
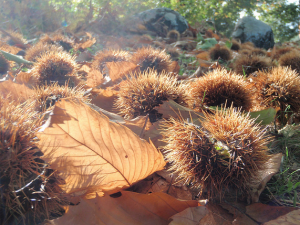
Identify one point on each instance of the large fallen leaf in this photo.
(93, 153)
(190, 216)
(125, 208)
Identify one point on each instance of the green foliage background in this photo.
(30, 16)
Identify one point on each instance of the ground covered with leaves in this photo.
(191, 128)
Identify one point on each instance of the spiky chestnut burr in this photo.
(227, 150)
(279, 87)
(247, 45)
(40, 49)
(247, 64)
(173, 36)
(108, 56)
(259, 51)
(140, 94)
(174, 53)
(4, 65)
(292, 59)
(47, 95)
(57, 67)
(17, 36)
(221, 52)
(218, 88)
(281, 51)
(235, 45)
(148, 57)
(30, 191)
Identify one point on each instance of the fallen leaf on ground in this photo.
(172, 109)
(91, 153)
(174, 67)
(94, 78)
(118, 70)
(291, 218)
(203, 55)
(189, 216)
(155, 183)
(125, 208)
(105, 99)
(259, 182)
(216, 216)
(86, 44)
(264, 213)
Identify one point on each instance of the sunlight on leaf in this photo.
(92, 153)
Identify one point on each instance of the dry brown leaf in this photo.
(17, 92)
(258, 184)
(203, 56)
(156, 183)
(93, 153)
(117, 70)
(264, 213)
(291, 218)
(105, 99)
(125, 208)
(85, 68)
(172, 109)
(238, 210)
(94, 78)
(216, 216)
(189, 216)
(87, 44)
